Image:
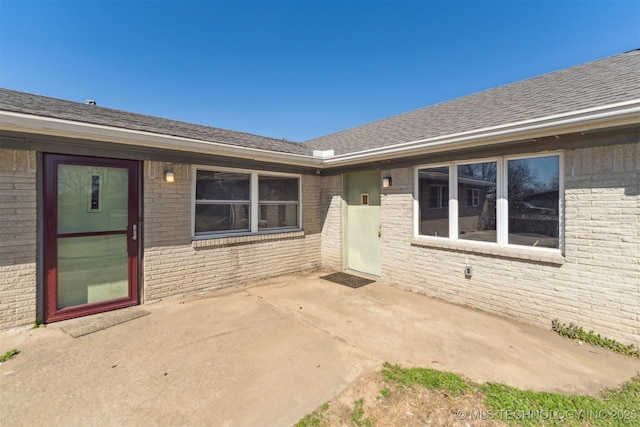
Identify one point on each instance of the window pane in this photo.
(222, 217)
(211, 185)
(533, 201)
(433, 200)
(477, 201)
(278, 216)
(274, 188)
(92, 269)
(92, 198)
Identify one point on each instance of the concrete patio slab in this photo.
(270, 352)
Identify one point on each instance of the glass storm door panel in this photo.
(91, 235)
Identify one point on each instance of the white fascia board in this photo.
(620, 114)
(27, 123)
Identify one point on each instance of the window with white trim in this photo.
(504, 201)
(279, 202)
(239, 202)
(433, 189)
(473, 197)
(438, 196)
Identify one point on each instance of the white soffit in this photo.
(64, 128)
(620, 114)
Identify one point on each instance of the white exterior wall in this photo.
(331, 222)
(18, 238)
(598, 284)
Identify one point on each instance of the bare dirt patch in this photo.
(372, 401)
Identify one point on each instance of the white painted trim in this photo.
(254, 201)
(502, 204)
(620, 114)
(19, 122)
(416, 203)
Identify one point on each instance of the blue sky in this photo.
(296, 70)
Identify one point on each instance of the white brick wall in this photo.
(598, 286)
(174, 267)
(17, 238)
(331, 222)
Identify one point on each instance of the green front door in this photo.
(91, 232)
(362, 240)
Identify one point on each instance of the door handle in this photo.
(134, 232)
(379, 231)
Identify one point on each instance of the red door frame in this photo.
(50, 199)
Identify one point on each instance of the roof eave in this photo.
(27, 123)
(619, 114)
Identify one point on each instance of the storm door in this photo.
(91, 232)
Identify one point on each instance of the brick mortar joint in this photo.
(536, 257)
(224, 242)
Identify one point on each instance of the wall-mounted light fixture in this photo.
(168, 175)
(386, 182)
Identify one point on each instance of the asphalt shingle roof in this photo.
(20, 102)
(598, 83)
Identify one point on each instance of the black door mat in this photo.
(347, 279)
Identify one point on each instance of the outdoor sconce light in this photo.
(386, 182)
(169, 176)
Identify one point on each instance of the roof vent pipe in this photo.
(90, 102)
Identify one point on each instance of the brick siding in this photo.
(173, 266)
(598, 284)
(331, 207)
(18, 238)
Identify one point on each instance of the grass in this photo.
(8, 355)
(385, 393)
(576, 332)
(528, 408)
(358, 413)
(313, 419)
(618, 407)
(428, 378)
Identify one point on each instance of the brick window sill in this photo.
(513, 253)
(217, 242)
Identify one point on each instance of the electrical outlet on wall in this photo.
(468, 271)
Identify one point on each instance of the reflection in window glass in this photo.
(477, 211)
(278, 201)
(433, 199)
(222, 217)
(278, 216)
(275, 188)
(211, 185)
(473, 197)
(533, 194)
(222, 201)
